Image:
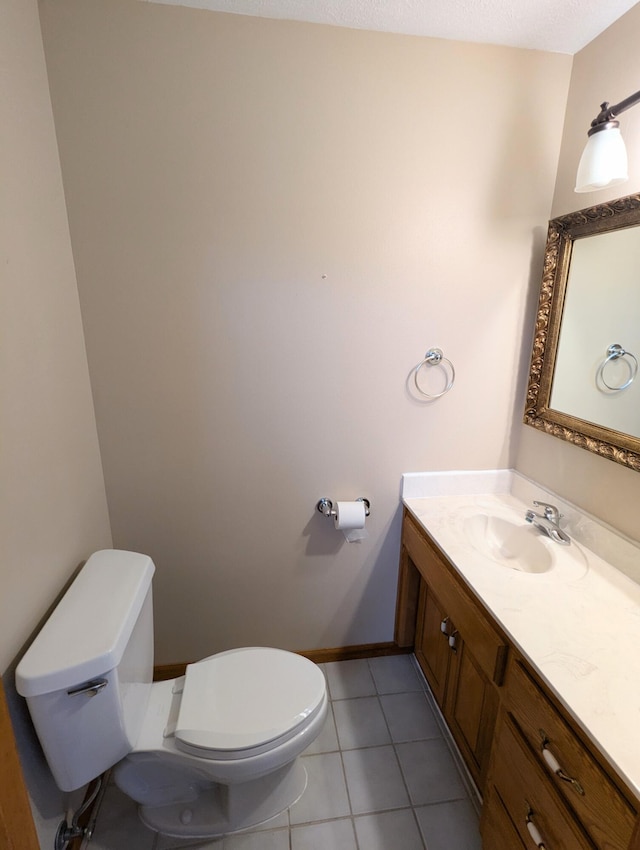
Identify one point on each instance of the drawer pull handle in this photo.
(554, 764)
(534, 832)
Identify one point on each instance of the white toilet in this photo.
(212, 752)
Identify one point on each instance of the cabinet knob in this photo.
(453, 641)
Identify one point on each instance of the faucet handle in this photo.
(550, 511)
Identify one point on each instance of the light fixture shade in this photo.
(603, 162)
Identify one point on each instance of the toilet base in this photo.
(222, 809)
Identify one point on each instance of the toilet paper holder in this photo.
(325, 507)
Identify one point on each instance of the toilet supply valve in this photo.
(70, 832)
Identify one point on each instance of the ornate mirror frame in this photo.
(614, 445)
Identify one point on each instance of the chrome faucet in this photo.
(548, 522)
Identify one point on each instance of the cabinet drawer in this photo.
(468, 617)
(498, 833)
(599, 804)
(529, 796)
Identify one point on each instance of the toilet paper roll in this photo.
(349, 519)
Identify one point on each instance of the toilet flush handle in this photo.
(90, 689)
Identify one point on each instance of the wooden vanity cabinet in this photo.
(541, 763)
(537, 814)
(543, 781)
(460, 652)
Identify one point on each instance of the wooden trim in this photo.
(17, 830)
(162, 672)
(350, 653)
(320, 656)
(407, 598)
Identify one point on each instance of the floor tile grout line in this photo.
(386, 722)
(355, 817)
(406, 788)
(411, 740)
(445, 735)
(473, 793)
(404, 780)
(416, 739)
(379, 694)
(346, 784)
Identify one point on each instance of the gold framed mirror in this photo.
(582, 379)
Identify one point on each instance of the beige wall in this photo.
(271, 223)
(53, 511)
(607, 69)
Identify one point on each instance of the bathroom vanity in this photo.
(531, 653)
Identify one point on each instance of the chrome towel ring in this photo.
(615, 352)
(435, 357)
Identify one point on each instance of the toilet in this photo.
(211, 752)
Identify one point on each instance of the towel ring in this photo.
(434, 357)
(615, 352)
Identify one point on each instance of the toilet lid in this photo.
(247, 697)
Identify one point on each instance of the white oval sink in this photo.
(518, 547)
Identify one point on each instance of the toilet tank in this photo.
(87, 675)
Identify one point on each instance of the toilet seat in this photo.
(244, 702)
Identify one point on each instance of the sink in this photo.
(515, 546)
(512, 543)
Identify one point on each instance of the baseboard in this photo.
(319, 656)
(351, 653)
(162, 672)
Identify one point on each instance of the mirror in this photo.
(583, 381)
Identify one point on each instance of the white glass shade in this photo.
(603, 162)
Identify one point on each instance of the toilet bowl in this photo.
(238, 719)
(209, 753)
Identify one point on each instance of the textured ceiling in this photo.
(561, 26)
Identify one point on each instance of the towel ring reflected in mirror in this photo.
(617, 352)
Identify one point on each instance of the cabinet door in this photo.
(456, 601)
(471, 708)
(431, 647)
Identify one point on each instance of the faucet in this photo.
(548, 522)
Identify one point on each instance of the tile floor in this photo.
(381, 776)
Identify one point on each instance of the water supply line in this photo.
(66, 832)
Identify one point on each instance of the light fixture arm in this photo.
(605, 120)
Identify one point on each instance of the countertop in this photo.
(578, 624)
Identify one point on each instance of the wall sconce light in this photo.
(604, 159)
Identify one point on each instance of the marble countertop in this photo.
(578, 622)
